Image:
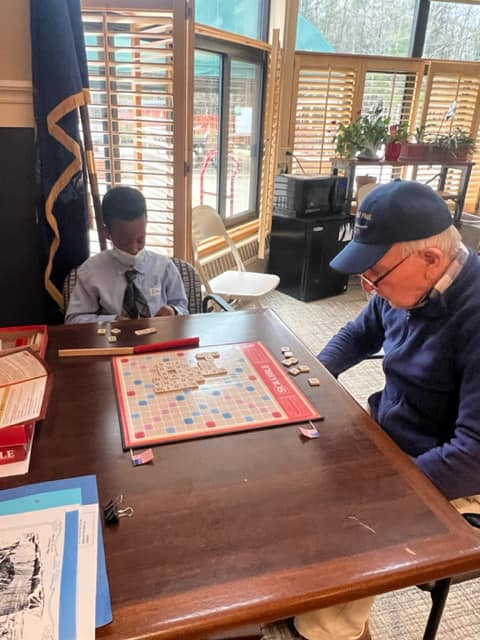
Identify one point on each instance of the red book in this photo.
(14, 442)
(17, 435)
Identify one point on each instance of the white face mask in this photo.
(126, 259)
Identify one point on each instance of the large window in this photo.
(206, 131)
(245, 17)
(453, 31)
(386, 28)
(226, 128)
(374, 27)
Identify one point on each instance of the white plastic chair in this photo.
(363, 191)
(238, 284)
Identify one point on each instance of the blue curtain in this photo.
(60, 82)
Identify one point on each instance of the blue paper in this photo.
(68, 490)
(38, 501)
(67, 625)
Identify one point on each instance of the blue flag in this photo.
(60, 82)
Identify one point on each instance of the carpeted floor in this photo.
(401, 615)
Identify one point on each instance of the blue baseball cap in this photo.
(400, 211)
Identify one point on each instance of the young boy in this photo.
(126, 281)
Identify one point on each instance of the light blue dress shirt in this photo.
(100, 287)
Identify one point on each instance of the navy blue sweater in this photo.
(430, 405)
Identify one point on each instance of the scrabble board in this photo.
(178, 395)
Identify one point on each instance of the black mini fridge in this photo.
(300, 253)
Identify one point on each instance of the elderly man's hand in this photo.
(167, 310)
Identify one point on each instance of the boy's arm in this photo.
(84, 305)
(356, 340)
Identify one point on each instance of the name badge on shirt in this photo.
(154, 291)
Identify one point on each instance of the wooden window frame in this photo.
(245, 49)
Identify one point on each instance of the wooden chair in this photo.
(237, 284)
(68, 285)
(191, 282)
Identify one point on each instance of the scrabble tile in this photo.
(288, 354)
(145, 332)
(304, 368)
(115, 331)
(314, 382)
(284, 349)
(101, 331)
(112, 338)
(294, 371)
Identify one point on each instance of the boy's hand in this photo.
(167, 310)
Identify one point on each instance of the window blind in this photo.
(325, 97)
(135, 130)
(450, 82)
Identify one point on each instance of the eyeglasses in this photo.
(373, 284)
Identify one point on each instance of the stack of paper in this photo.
(53, 579)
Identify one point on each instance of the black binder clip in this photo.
(113, 513)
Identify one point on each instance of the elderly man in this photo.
(426, 315)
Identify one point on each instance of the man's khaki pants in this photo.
(341, 622)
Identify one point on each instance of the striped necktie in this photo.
(134, 303)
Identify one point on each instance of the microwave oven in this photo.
(304, 196)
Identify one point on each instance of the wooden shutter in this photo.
(270, 142)
(338, 88)
(459, 82)
(137, 64)
(324, 96)
(472, 201)
(397, 87)
(396, 91)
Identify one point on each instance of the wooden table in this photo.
(251, 526)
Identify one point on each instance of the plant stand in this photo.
(348, 168)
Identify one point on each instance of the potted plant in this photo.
(416, 149)
(375, 131)
(457, 145)
(398, 133)
(440, 147)
(349, 139)
(362, 138)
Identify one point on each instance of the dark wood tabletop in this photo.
(250, 526)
